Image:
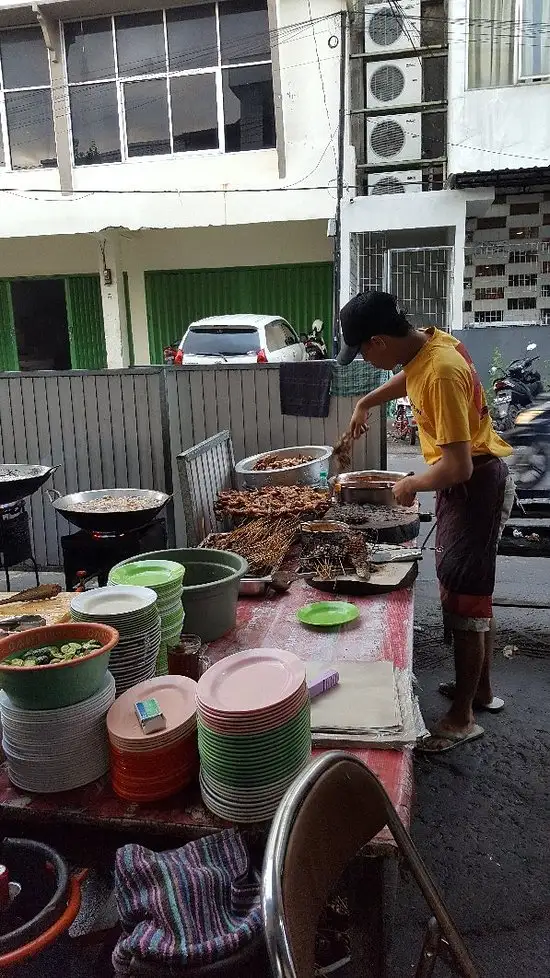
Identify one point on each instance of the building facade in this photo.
(449, 109)
(161, 162)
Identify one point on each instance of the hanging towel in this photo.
(305, 388)
(188, 907)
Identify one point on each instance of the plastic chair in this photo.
(330, 812)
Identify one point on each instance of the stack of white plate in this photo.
(133, 612)
(57, 750)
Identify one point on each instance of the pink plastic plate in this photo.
(251, 681)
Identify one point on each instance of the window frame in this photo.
(120, 80)
(517, 77)
(7, 165)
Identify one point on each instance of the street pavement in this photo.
(482, 814)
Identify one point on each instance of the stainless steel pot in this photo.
(371, 486)
(307, 474)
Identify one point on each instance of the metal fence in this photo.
(124, 428)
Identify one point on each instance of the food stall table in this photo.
(90, 822)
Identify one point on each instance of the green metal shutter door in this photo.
(85, 316)
(299, 293)
(9, 359)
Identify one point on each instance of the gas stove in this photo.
(15, 538)
(89, 555)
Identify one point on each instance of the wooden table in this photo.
(91, 822)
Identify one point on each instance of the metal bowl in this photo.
(308, 474)
(371, 486)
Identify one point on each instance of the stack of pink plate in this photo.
(254, 732)
(150, 766)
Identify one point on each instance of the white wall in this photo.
(209, 189)
(494, 128)
(412, 211)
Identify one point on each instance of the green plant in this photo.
(497, 365)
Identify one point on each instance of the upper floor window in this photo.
(508, 42)
(26, 121)
(172, 81)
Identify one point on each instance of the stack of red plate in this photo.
(147, 767)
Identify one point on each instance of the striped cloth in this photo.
(186, 908)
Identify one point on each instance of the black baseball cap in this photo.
(369, 314)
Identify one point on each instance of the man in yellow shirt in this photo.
(474, 489)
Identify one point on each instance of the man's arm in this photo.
(393, 388)
(454, 467)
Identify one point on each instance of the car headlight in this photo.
(527, 416)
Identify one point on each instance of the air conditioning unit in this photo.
(394, 139)
(398, 182)
(392, 83)
(392, 27)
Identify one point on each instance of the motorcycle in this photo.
(404, 424)
(530, 439)
(316, 348)
(514, 390)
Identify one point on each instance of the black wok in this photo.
(22, 480)
(121, 521)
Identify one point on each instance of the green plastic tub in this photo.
(210, 588)
(63, 683)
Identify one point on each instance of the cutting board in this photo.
(384, 578)
(53, 610)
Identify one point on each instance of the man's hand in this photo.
(358, 424)
(404, 491)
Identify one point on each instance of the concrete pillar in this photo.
(138, 309)
(112, 299)
(52, 40)
(457, 301)
(134, 259)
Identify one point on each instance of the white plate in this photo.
(114, 601)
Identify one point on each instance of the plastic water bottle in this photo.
(323, 479)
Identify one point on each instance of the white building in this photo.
(450, 113)
(158, 162)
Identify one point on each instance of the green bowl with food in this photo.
(57, 665)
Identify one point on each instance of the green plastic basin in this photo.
(210, 588)
(63, 683)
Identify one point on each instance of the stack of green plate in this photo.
(165, 577)
(254, 731)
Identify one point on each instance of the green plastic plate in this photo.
(327, 614)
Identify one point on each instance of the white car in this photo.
(240, 339)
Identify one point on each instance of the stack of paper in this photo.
(372, 706)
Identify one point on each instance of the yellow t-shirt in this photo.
(448, 399)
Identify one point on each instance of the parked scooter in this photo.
(530, 439)
(515, 389)
(316, 348)
(404, 424)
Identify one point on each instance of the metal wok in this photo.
(121, 521)
(22, 480)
